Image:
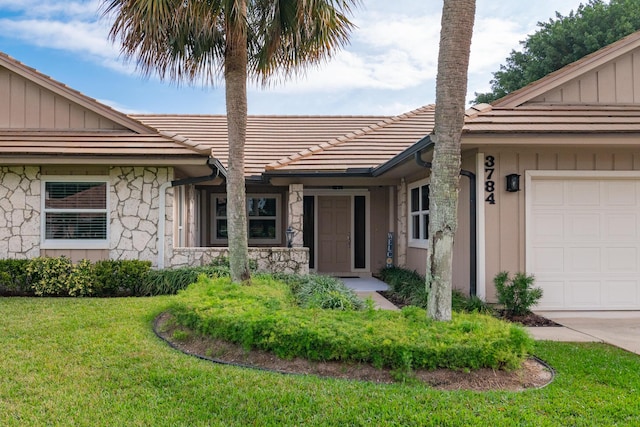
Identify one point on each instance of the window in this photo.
(262, 216)
(419, 214)
(75, 212)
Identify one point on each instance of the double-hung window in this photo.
(75, 212)
(263, 218)
(419, 214)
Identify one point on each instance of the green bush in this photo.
(169, 281)
(81, 280)
(49, 276)
(516, 294)
(411, 288)
(121, 277)
(265, 316)
(473, 304)
(317, 291)
(407, 284)
(13, 277)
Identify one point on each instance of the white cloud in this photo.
(50, 8)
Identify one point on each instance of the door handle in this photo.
(348, 240)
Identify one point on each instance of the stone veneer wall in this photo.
(274, 260)
(135, 210)
(20, 190)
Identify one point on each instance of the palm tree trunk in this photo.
(451, 87)
(235, 75)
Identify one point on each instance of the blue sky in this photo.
(388, 68)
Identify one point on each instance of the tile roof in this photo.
(269, 138)
(540, 118)
(365, 148)
(98, 143)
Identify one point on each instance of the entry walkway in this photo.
(367, 287)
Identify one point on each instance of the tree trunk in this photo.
(451, 87)
(235, 75)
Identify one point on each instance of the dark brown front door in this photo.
(334, 234)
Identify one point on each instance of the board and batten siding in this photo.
(616, 82)
(26, 105)
(505, 222)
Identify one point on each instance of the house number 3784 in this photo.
(489, 183)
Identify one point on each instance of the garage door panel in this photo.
(582, 227)
(583, 294)
(621, 260)
(620, 193)
(548, 227)
(553, 296)
(583, 242)
(620, 294)
(548, 259)
(580, 193)
(581, 260)
(547, 193)
(621, 227)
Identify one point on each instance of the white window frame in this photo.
(420, 242)
(74, 243)
(278, 218)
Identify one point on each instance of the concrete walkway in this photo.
(367, 287)
(618, 328)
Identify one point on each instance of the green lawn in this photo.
(96, 362)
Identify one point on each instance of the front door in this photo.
(334, 234)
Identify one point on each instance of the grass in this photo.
(96, 362)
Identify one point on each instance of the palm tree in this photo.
(190, 40)
(451, 87)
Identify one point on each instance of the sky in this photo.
(388, 68)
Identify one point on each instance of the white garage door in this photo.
(583, 242)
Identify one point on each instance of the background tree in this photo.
(451, 87)
(190, 40)
(563, 40)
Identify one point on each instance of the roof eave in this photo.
(403, 157)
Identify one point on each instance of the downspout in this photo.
(215, 172)
(473, 261)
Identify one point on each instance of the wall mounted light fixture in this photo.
(290, 234)
(513, 182)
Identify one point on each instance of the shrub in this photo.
(473, 304)
(81, 279)
(407, 284)
(516, 294)
(317, 291)
(264, 316)
(171, 280)
(120, 277)
(13, 277)
(49, 276)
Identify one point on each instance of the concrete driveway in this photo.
(618, 328)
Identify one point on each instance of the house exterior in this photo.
(342, 195)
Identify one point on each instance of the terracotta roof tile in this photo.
(269, 138)
(556, 119)
(115, 143)
(368, 147)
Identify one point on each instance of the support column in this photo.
(401, 230)
(295, 213)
